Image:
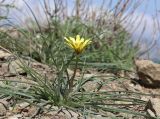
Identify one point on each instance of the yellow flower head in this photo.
(78, 44)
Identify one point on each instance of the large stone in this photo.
(148, 73)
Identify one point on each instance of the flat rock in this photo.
(148, 73)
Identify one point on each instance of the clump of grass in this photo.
(110, 47)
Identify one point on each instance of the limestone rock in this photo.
(4, 55)
(18, 116)
(15, 67)
(90, 85)
(148, 73)
(154, 106)
(11, 66)
(151, 113)
(3, 110)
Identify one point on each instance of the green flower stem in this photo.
(73, 76)
(60, 76)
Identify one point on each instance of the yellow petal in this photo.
(82, 39)
(78, 39)
(72, 39)
(66, 39)
(70, 45)
(86, 42)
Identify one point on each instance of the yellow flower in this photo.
(78, 44)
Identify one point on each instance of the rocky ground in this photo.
(145, 79)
